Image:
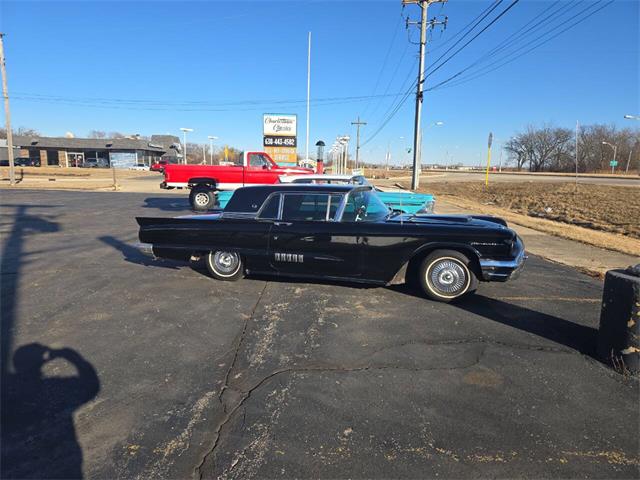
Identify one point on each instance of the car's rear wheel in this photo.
(446, 275)
(202, 198)
(225, 265)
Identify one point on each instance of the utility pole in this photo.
(358, 123)
(7, 113)
(388, 156)
(577, 133)
(424, 5)
(626, 170)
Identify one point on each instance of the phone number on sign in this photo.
(280, 142)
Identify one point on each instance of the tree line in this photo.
(553, 149)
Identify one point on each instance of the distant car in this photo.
(26, 162)
(401, 201)
(139, 166)
(158, 166)
(90, 163)
(21, 162)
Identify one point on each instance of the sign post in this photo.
(613, 164)
(279, 137)
(490, 141)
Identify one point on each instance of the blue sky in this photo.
(155, 66)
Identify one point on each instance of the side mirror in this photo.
(265, 167)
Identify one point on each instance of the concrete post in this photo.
(619, 333)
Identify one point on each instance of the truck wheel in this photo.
(446, 275)
(224, 265)
(202, 198)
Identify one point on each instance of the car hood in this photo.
(294, 171)
(481, 221)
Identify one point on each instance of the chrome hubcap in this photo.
(201, 199)
(448, 277)
(226, 262)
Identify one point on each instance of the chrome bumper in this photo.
(503, 270)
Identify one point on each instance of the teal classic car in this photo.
(398, 200)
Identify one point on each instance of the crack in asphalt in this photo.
(311, 369)
(246, 395)
(240, 340)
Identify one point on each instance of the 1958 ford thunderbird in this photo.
(339, 232)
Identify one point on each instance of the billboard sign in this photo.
(279, 137)
(280, 125)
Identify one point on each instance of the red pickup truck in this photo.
(204, 180)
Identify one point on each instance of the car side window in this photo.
(309, 207)
(257, 160)
(271, 208)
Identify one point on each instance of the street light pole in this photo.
(615, 152)
(211, 139)
(184, 143)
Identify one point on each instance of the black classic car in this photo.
(339, 232)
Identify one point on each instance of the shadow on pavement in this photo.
(38, 433)
(169, 204)
(37, 437)
(23, 225)
(133, 255)
(564, 332)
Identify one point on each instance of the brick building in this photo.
(100, 152)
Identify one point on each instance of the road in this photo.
(516, 178)
(115, 365)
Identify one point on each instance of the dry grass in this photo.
(607, 208)
(601, 215)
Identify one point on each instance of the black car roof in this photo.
(250, 199)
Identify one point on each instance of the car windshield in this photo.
(364, 206)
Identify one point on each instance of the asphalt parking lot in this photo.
(119, 366)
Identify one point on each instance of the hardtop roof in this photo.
(250, 199)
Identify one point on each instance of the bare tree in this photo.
(24, 131)
(97, 134)
(553, 149)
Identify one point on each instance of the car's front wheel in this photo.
(446, 275)
(224, 265)
(202, 198)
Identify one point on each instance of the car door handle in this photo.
(282, 224)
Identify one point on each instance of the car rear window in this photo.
(310, 207)
(270, 210)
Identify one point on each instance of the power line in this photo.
(393, 76)
(388, 119)
(487, 69)
(190, 106)
(439, 46)
(507, 42)
(394, 110)
(500, 15)
(384, 62)
(476, 22)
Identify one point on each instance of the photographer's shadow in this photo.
(38, 434)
